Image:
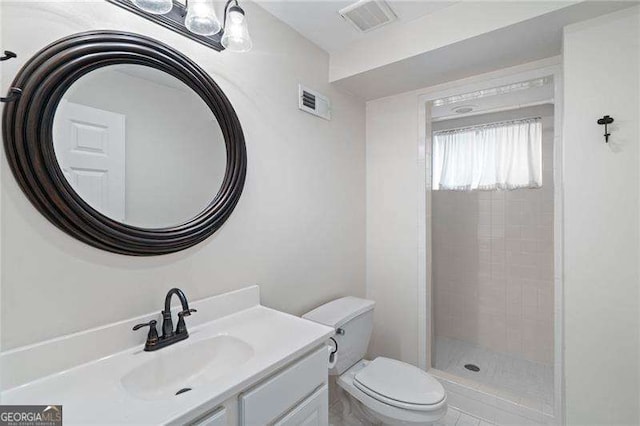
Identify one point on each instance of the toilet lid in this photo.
(399, 384)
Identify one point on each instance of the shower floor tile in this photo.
(516, 378)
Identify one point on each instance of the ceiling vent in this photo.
(313, 102)
(367, 15)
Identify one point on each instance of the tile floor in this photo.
(520, 377)
(453, 418)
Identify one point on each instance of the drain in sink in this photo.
(472, 367)
(183, 390)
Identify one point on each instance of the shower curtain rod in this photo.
(480, 126)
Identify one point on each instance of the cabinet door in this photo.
(313, 411)
(280, 393)
(217, 418)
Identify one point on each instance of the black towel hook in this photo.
(606, 120)
(8, 55)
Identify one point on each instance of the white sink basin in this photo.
(185, 365)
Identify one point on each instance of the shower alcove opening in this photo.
(490, 261)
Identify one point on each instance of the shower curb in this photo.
(484, 402)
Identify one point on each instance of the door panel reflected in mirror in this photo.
(139, 146)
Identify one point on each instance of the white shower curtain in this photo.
(505, 155)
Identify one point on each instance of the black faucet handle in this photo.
(152, 337)
(181, 328)
(151, 324)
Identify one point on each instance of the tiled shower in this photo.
(493, 278)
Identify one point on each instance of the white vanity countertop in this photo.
(93, 393)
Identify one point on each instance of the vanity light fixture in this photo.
(197, 20)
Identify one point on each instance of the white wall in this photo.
(601, 68)
(298, 229)
(392, 227)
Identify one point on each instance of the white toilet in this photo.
(386, 390)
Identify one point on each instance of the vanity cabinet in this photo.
(251, 366)
(296, 395)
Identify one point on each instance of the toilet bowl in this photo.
(384, 390)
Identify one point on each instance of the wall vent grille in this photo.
(367, 15)
(308, 100)
(314, 103)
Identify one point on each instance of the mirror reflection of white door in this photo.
(90, 147)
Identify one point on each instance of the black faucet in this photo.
(169, 337)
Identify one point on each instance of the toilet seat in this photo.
(399, 384)
(389, 410)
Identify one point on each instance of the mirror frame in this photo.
(27, 128)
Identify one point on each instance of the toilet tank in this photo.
(352, 318)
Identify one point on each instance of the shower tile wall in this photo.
(493, 264)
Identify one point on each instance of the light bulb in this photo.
(201, 18)
(155, 7)
(236, 34)
(235, 17)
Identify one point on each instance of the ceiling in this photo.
(320, 22)
(516, 44)
(526, 41)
